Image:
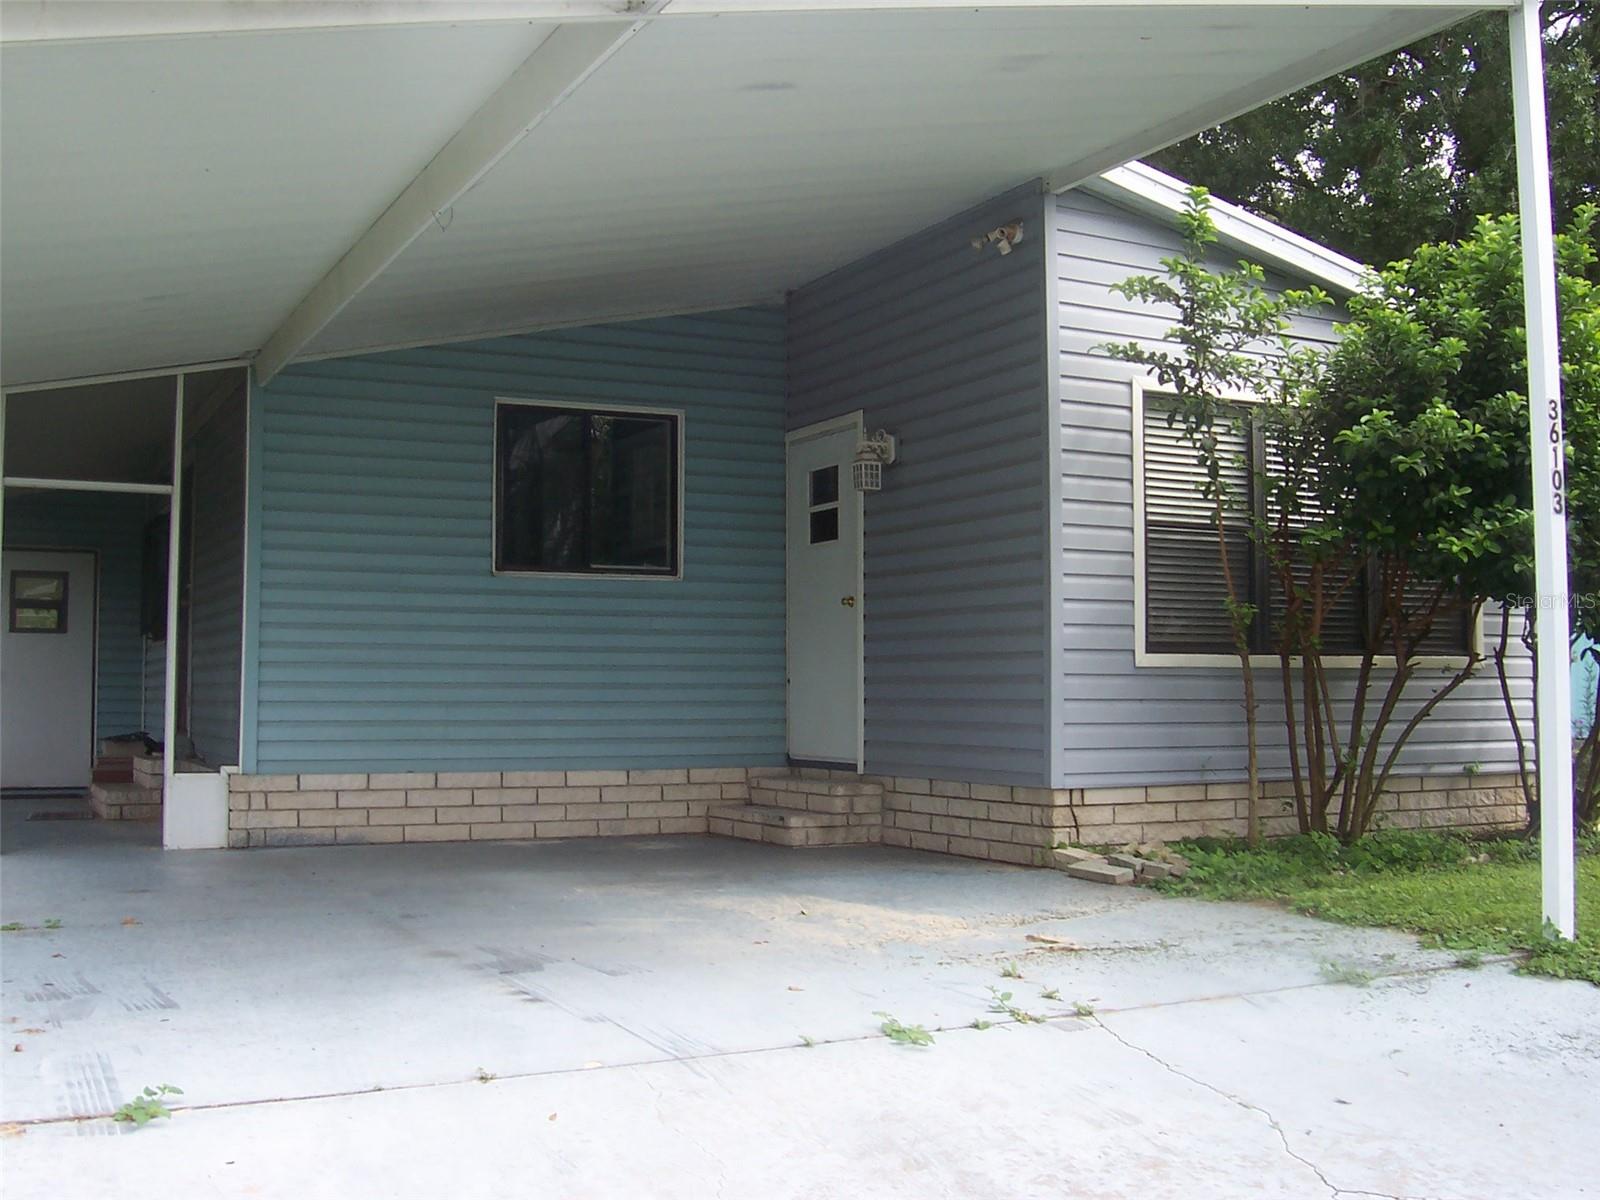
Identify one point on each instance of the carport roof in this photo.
(196, 183)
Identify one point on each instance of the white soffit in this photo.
(729, 160)
(166, 201)
(171, 199)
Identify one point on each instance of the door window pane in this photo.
(825, 525)
(38, 602)
(824, 486)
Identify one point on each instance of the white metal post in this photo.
(1549, 470)
(169, 735)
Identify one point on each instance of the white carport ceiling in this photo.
(166, 199)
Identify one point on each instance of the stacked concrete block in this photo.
(791, 807)
(1166, 813)
(136, 799)
(340, 808)
(974, 820)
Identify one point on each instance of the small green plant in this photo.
(906, 1035)
(52, 923)
(980, 1023)
(485, 1076)
(1011, 971)
(147, 1105)
(1351, 976)
(1050, 994)
(1083, 1010)
(807, 1042)
(1003, 1004)
(12, 927)
(1471, 960)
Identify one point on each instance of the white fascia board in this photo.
(24, 21)
(560, 64)
(1145, 190)
(98, 20)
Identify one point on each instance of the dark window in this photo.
(1185, 591)
(581, 491)
(38, 602)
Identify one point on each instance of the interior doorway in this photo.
(47, 669)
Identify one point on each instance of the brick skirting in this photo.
(972, 820)
(1019, 825)
(324, 809)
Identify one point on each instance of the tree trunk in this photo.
(1523, 778)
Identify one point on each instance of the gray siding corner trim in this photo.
(383, 640)
(946, 347)
(1121, 724)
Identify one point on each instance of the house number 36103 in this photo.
(1558, 477)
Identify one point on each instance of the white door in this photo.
(824, 594)
(47, 669)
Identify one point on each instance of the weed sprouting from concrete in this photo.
(906, 1035)
(1345, 973)
(147, 1105)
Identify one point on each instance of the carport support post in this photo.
(169, 725)
(1549, 471)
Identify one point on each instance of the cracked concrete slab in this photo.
(639, 1006)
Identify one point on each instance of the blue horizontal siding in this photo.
(384, 642)
(113, 527)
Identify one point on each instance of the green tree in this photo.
(1232, 336)
(1426, 399)
(1410, 148)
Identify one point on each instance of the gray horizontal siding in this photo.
(1125, 725)
(216, 582)
(384, 640)
(113, 527)
(945, 347)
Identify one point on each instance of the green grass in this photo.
(1477, 897)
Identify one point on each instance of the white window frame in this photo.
(676, 575)
(1143, 657)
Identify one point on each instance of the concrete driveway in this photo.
(631, 1017)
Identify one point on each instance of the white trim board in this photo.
(33, 21)
(1143, 657)
(1145, 190)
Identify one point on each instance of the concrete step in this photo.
(786, 817)
(793, 827)
(817, 802)
(113, 770)
(124, 802)
(817, 787)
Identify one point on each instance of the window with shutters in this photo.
(1183, 587)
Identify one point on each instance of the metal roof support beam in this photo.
(1554, 648)
(567, 57)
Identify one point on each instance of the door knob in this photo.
(848, 601)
